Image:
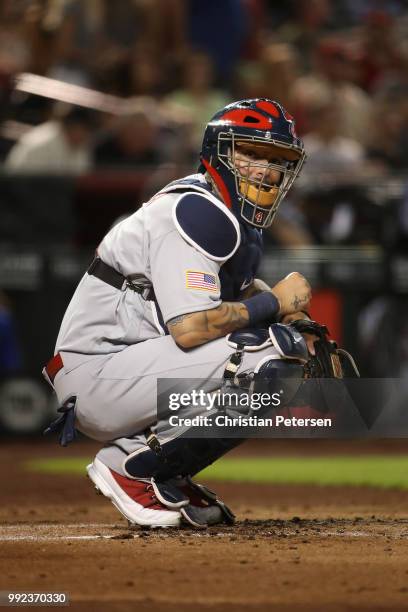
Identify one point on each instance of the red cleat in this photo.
(135, 499)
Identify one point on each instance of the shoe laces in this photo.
(153, 499)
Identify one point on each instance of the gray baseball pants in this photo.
(117, 393)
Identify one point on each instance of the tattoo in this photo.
(179, 319)
(297, 301)
(200, 327)
(231, 316)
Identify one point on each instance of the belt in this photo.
(114, 278)
(110, 276)
(54, 366)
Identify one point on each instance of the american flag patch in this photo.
(201, 280)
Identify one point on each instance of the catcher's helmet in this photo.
(261, 135)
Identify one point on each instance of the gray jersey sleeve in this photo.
(184, 279)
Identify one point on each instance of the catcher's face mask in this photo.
(263, 174)
(252, 155)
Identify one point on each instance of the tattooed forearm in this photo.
(200, 327)
(230, 316)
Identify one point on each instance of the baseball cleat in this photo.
(135, 499)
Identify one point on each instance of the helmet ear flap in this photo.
(224, 190)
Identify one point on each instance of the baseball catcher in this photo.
(173, 293)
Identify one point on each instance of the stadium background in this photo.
(132, 83)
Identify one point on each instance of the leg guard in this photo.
(182, 456)
(185, 456)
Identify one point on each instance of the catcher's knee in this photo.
(281, 367)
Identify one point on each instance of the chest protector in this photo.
(239, 271)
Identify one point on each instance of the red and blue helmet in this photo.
(253, 130)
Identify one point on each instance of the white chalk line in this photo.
(32, 538)
(60, 526)
(7, 535)
(13, 533)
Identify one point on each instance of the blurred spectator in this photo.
(218, 29)
(61, 145)
(14, 51)
(197, 101)
(132, 141)
(341, 215)
(331, 157)
(144, 75)
(379, 50)
(10, 357)
(257, 20)
(336, 207)
(288, 229)
(358, 10)
(333, 78)
(308, 21)
(388, 144)
(13, 59)
(78, 26)
(394, 81)
(40, 23)
(165, 30)
(279, 65)
(249, 81)
(95, 40)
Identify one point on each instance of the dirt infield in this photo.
(294, 548)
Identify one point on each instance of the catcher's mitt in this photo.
(329, 360)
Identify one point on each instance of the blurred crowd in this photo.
(339, 66)
(124, 88)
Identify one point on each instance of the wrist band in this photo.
(261, 307)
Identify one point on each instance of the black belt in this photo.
(114, 278)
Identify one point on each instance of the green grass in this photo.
(372, 470)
